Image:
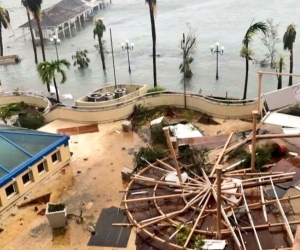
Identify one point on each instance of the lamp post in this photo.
(127, 47)
(56, 41)
(215, 50)
(183, 47)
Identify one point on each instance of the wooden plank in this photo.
(297, 239)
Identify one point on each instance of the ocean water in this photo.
(210, 20)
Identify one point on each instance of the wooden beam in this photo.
(287, 226)
(253, 150)
(167, 133)
(271, 136)
(219, 181)
(251, 220)
(262, 198)
(221, 154)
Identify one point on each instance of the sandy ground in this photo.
(94, 175)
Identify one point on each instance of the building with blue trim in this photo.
(26, 158)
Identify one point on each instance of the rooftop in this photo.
(20, 148)
(60, 13)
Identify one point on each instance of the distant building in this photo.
(26, 158)
(63, 15)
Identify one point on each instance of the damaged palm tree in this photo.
(187, 46)
(5, 23)
(98, 31)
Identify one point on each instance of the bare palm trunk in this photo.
(38, 21)
(279, 85)
(246, 78)
(32, 37)
(101, 52)
(153, 41)
(1, 42)
(56, 90)
(291, 67)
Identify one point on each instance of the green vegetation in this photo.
(149, 154)
(187, 46)
(5, 22)
(182, 235)
(246, 52)
(24, 3)
(98, 31)
(156, 89)
(28, 117)
(288, 43)
(48, 70)
(56, 207)
(194, 158)
(31, 120)
(263, 156)
(81, 59)
(141, 115)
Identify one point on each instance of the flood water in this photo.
(211, 21)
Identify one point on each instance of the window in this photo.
(54, 157)
(26, 178)
(10, 190)
(41, 167)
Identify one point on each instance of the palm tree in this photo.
(288, 41)
(47, 71)
(34, 7)
(246, 52)
(152, 9)
(98, 31)
(5, 22)
(24, 2)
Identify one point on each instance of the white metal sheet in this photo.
(173, 177)
(283, 120)
(214, 244)
(188, 130)
(283, 97)
(291, 131)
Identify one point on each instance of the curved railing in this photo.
(111, 112)
(117, 111)
(28, 97)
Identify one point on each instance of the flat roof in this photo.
(21, 148)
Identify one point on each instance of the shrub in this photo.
(56, 207)
(151, 155)
(32, 120)
(156, 89)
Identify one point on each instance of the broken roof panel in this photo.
(282, 98)
(283, 120)
(185, 131)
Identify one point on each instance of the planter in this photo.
(56, 214)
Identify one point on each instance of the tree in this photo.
(24, 3)
(288, 41)
(81, 59)
(152, 10)
(34, 7)
(98, 31)
(281, 64)
(246, 52)
(269, 40)
(47, 71)
(5, 22)
(188, 48)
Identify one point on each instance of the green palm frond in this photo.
(47, 70)
(289, 37)
(4, 17)
(99, 28)
(253, 29)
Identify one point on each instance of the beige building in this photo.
(26, 158)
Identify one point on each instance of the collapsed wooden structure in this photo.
(232, 206)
